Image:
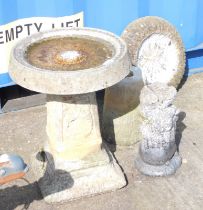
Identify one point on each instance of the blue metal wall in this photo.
(185, 15)
(11, 10)
(115, 15)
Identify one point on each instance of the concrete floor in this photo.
(22, 132)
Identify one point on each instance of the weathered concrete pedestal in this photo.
(121, 118)
(73, 126)
(73, 162)
(71, 180)
(76, 164)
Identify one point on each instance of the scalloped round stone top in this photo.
(71, 61)
(157, 49)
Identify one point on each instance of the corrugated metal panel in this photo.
(186, 16)
(115, 15)
(11, 10)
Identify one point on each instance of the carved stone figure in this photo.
(158, 150)
(155, 48)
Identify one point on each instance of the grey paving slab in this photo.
(22, 132)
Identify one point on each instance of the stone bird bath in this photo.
(69, 66)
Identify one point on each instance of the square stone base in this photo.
(64, 183)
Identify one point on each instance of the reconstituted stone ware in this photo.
(156, 49)
(70, 82)
(158, 150)
(121, 118)
(75, 164)
(70, 119)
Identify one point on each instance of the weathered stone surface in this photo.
(59, 183)
(166, 169)
(156, 47)
(156, 154)
(70, 82)
(121, 114)
(73, 126)
(73, 141)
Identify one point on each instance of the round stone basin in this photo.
(71, 61)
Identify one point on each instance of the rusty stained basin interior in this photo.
(68, 53)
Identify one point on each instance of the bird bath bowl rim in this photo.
(110, 71)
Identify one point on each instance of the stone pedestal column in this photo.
(74, 163)
(121, 116)
(73, 126)
(158, 150)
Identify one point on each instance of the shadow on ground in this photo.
(180, 128)
(12, 197)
